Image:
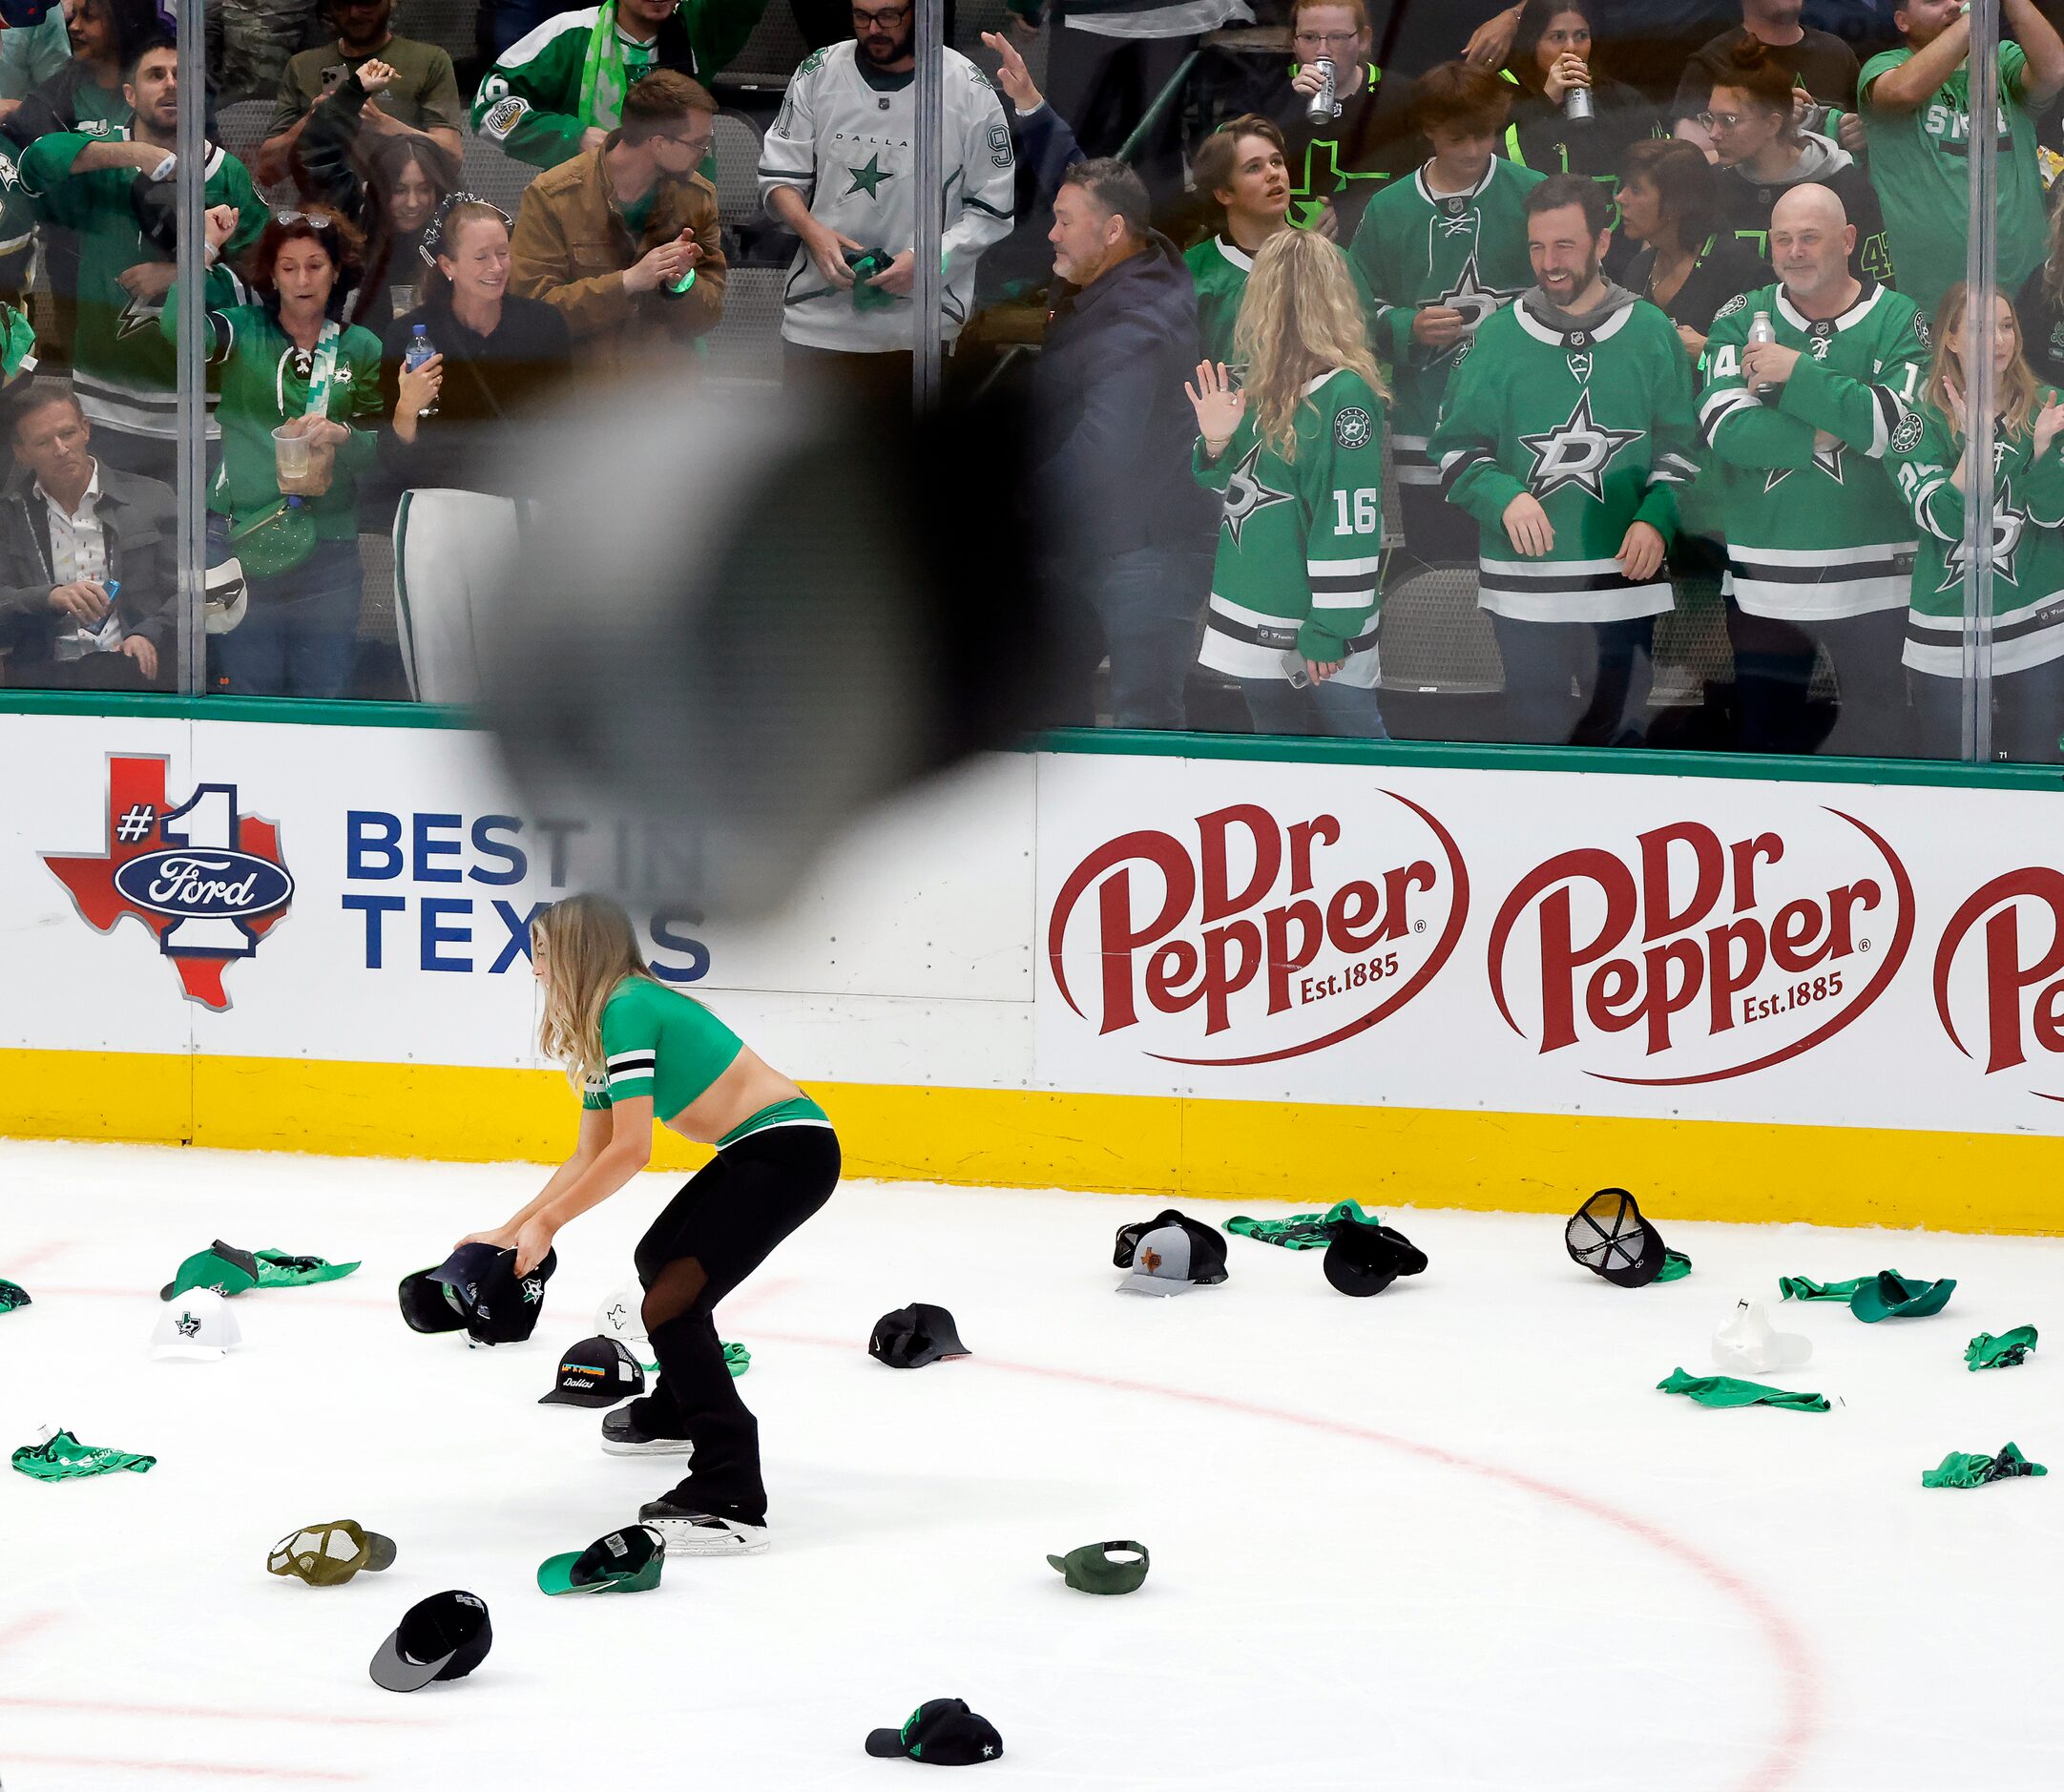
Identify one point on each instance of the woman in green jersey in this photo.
(287, 366)
(2028, 553)
(1298, 455)
(640, 1051)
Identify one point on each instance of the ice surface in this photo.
(1447, 1538)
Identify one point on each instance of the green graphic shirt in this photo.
(1300, 540)
(1219, 266)
(1920, 165)
(2028, 552)
(123, 364)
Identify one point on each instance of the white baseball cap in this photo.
(198, 1325)
(1748, 1341)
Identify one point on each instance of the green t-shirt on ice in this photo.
(1920, 165)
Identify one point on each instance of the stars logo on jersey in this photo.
(1574, 453)
(868, 179)
(2008, 527)
(1247, 497)
(1907, 433)
(1827, 457)
(139, 315)
(1353, 427)
(1469, 296)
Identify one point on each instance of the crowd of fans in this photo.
(1603, 304)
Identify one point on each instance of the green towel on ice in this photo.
(280, 1269)
(1725, 1390)
(1805, 1288)
(1302, 1232)
(13, 1295)
(1676, 1265)
(64, 1458)
(737, 1359)
(1957, 1470)
(1987, 1352)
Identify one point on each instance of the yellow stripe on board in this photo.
(1250, 1151)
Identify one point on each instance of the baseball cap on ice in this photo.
(942, 1732)
(625, 1561)
(1365, 1258)
(1889, 1294)
(915, 1335)
(1204, 1261)
(198, 1324)
(222, 1267)
(1093, 1569)
(444, 1638)
(1608, 1237)
(431, 1305)
(327, 1555)
(594, 1373)
(13, 1295)
(1168, 1261)
(499, 1306)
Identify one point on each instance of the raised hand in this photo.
(1220, 405)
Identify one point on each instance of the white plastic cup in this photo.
(291, 452)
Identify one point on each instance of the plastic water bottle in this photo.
(419, 351)
(1763, 330)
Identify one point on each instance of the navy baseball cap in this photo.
(942, 1733)
(499, 1306)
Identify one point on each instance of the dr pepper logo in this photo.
(1999, 975)
(1691, 956)
(1245, 937)
(205, 878)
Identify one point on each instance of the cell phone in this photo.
(333, 78)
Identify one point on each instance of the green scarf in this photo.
(1725, 1390)
(1805, 1288)
(602, 84)
(62, 1457)
(1958, 1470)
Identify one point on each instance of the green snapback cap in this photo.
(1095, 1569)
(625, 1561)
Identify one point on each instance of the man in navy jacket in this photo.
(1129, 528)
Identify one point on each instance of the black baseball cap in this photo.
(1364, 1258)
(1207, 1247)
(1609, 1236)
(431, 1305)
(941, 1732)
(444, 1638)
(595, 1372)
(915, 1335)
(498, 1306)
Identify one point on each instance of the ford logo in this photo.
(211, 884)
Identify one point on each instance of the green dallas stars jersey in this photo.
(1920, 165)
(530, 102)
(123, 368)
(1813, 532)
(846, 139)
(2028, 552)
(1219, 266)
(1597, 425)
(1467, 250)
(1300, 540)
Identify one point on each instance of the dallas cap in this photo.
(431, 1305)
(942, 1732)
(198, 1325)
(1092, 1568)
(1366, 1257)
(1608, 1237)
(915, 1335)
(625, 1561)
(329, 1554)
(444, 1638)
(499, 1306)
(1166, 1261)
(622, 1316)
(594, 1373)
(1206, 1252)
(222, 1267)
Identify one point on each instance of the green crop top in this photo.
(659, 1043)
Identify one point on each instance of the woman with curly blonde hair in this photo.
(1298, 454)
(637, 1050)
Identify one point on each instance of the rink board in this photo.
(1215, 976)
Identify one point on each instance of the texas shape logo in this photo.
(207, 880)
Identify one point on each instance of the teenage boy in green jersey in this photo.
(1240, 165)
(1819, 544)
(1440, 250)
(560, 89)
(1918, 113)
(1566, 433)
(123, 368)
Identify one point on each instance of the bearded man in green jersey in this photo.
(1919, 116)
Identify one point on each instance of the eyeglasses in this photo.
(888, 17)
(1721, 120)
(1325, 40)
(700, 145)
(315, 221)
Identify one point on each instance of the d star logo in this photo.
(1471, 296)
(1247, 497)
(1578, 453)
(206, 880)
(2007, 524)
(1827, 456)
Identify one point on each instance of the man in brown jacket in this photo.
(622, 240)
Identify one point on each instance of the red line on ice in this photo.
(1799, 1679)
(255, 1715)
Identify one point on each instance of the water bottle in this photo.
(419, 351)
(1763, 330)
(1319, 108)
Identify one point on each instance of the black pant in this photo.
(714, 1234)
(1574, 684)
(1774, 671)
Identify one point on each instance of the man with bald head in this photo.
(1820, 546)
